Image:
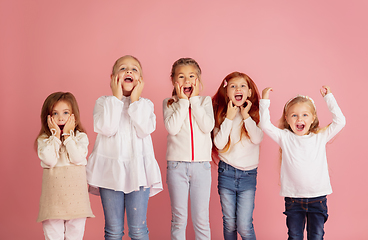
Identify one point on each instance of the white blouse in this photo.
(123, 157)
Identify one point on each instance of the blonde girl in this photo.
(62, 146)
(189, 120)
(304, 176)
(236, 138)
(122, 166)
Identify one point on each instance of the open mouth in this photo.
(300, 127)
(238, 97)
(187, 89)
(128, 79)
(61, 127)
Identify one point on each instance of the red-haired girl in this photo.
(236, 138)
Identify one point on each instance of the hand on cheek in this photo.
(137, 90)
(52, 125)
(195, 88)
(116, 87)
(69, 125)
(180, 91)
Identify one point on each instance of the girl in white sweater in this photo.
(236, 138)
(189, 120)
(62, 146)
(305, 181)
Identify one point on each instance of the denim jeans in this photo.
(192, 179)
(237, 190)
(115, 203)
(310, 211)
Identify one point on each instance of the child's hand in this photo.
(116, 87)
(69, 125)
(195, 88)
(325, 90)
(245, 110)
(266, 93)
(52, 125)
(137, 90)
(231, 110)
(180, 91)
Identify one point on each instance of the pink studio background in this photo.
(293, 46)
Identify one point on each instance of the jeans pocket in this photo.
(289, 203)
(171, 165)
(323, 203)
(207, 165)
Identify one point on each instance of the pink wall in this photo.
(293, 46)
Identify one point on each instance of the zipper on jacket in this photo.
(191, 132)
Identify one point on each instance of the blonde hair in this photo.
(314, 128)
(123, 57)
(183, 62)
(283, 124)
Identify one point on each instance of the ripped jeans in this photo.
(114, 205)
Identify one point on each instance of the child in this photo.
(189, 120)
(236, 138)
(304, 175)
(123, 165)
(62, 148)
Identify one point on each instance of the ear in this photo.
(249, 92)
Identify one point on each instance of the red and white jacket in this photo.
(189, 123)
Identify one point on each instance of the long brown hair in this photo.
(183, 62)
(220, 101)
(48, 106)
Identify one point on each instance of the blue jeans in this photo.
(114, 205)
(237, 190)
(310, 211)
(184, 180)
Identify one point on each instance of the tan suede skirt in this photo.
(64, 194)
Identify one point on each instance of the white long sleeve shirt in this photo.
(304, 169)
(189, 123)
(243, 153)
(123, 157)
(54, 153)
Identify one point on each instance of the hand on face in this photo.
(137, 90)
(231, 110)
(245, 110)
(116, 87)
(266, 93)
(325, 90)
(180, 91)
(69, 125)
(195, 88)
(53, 125)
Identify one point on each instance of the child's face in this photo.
(129, 72)
(186, 76)
(61, 112)
(300, 118)
(238, 91)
